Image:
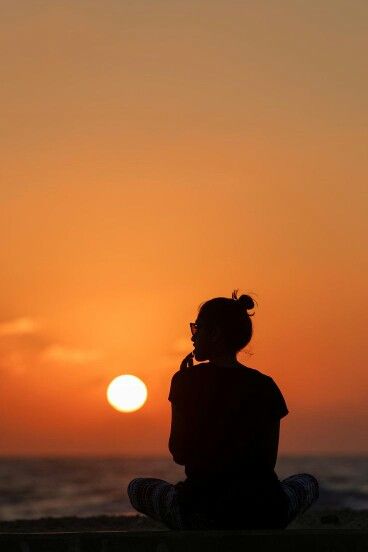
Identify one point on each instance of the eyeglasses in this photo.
(193, 327)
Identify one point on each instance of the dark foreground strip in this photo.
(296, 540)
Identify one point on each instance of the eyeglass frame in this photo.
(194, 327)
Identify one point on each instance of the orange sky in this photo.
(158, 154)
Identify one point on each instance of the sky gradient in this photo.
(155, 155)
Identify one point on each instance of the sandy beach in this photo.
(320, 531)
(314, 520)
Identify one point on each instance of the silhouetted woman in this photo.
(225, 431)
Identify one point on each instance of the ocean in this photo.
(32, 488)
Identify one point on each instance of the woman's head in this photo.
(223, 326)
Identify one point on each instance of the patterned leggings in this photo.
(158, 499)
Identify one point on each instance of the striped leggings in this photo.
(158, 499)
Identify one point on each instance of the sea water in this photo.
(32, 488)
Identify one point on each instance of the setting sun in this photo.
(127, 393)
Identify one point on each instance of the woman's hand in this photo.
(187, 362)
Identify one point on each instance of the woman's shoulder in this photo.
(205, 370)
(246, 372)
(260, 380)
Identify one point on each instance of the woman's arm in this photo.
(178, 441)
(182, 416)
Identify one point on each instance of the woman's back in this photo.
(222, 418)
(225, 431)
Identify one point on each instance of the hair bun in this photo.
(246, 301)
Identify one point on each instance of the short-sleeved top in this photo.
(224, 415)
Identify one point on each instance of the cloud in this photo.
(18, 326)
(69, 355)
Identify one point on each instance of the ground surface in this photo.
(316, 519)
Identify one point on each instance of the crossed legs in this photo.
(158, 499)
